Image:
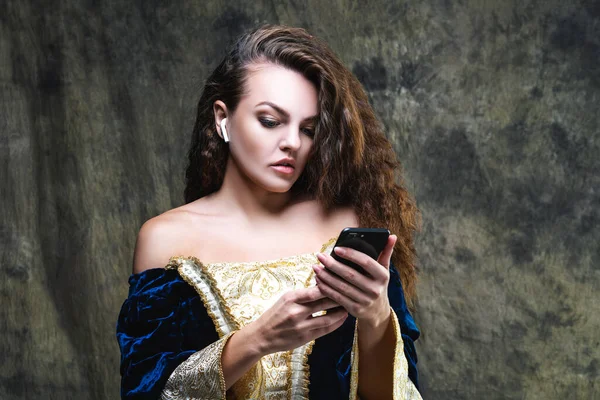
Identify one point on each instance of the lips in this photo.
(286, 162)
(285, 166)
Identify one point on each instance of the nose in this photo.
(291, 140)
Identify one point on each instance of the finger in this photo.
(320, 305)
(336, 296)
(306, 295)
(328, 322)
(344, 272)
(386, 254)
(370, 266)
(317, 333)
(340, 285)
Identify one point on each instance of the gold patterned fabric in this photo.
(404, 388)
(234, 295)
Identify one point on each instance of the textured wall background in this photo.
(493, 107)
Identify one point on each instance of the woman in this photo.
(286, 152)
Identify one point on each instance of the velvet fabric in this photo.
(163, 321)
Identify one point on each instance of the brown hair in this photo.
(351, 163)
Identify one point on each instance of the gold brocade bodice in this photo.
(237, 293)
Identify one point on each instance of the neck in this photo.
(240, 194)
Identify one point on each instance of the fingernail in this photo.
(340, 251)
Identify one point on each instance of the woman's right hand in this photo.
(289, 323)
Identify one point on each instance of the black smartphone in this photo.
(370, 241)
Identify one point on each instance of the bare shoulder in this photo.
(162, 237)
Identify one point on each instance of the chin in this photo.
(279, 187)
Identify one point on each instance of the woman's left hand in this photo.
(363, 296)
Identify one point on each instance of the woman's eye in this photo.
(268, 123)
(308, 132)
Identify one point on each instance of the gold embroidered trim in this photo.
(289, 385)
(329, 243)
(354, 365)
(180, 264)
(299, 372)
(200, 376)
(403, 387)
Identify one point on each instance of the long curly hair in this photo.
(351, 163)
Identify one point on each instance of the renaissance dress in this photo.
(176, 320)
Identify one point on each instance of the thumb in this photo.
(386, 254)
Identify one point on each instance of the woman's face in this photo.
(271, 131)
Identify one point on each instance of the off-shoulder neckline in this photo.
(260, 262)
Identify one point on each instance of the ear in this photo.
(220, 112)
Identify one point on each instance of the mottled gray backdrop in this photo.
(493, 107)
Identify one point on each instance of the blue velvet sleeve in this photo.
(162, 322)
(330, 359)
(410, 332)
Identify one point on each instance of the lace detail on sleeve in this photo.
(404, 388)
(200, 376)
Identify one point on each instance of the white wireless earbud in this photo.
(224, 130)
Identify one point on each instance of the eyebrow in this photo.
(283, 112)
